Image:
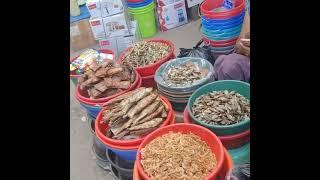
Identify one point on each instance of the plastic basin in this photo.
(231, 85)
(209, 137)
(148, 81)
(151, 68)
(207, 6)
(240, 155)
(230, 141)
(83, 95)
(202, 63)
(123, 167)
(101, 128)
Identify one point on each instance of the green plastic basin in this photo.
(240, 87)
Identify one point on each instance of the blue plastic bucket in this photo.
(139, 4)
(93, 111)
(128, 155)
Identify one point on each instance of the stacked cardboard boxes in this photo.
(171, 13)
(109, 23)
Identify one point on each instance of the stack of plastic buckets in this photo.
(143, 11)
(221, 29)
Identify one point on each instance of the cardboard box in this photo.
(161, 3)
(81, 36)
(97, 28)
(111, 7)
(115, 25)
(192, 3)
(120, 43)
(172, 15)
(94, 8)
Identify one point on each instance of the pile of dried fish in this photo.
(221, 108)
(134, 114)
(106, 79)
(145, 53)
(185, 74)
(177, 156)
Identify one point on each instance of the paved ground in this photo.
(82, 160)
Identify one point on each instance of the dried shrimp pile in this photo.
(177, 156)
(145, 53)
(221, 108)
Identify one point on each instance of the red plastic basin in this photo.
(101, 128)
(207, 6)
(84, 96)
(151, 69)
(206, 135)
(230, 141)
(148, 81)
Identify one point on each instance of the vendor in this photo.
(236, 66)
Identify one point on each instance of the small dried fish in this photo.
(145, 53)
(184, 74)
(221, 108)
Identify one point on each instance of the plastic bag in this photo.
(201, 52)
(240, 172)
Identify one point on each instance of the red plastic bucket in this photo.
(226, 167)
(230, 141)
(148, 81)
(101, 128)
(84, 96)
(206, 135)
(151, 69)
(208, 5)
(222, 43)
(74, 77)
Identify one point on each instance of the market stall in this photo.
(154, 113)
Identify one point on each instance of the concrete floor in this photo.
(82, 160)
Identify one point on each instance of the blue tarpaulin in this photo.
(84, 13)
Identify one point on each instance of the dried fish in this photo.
(141, 104)
(146, 53)
(105, 79)
(150, 124)
(123, 96)
(151, 116)
(184, 74)
(141, 110)
(221, 108)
